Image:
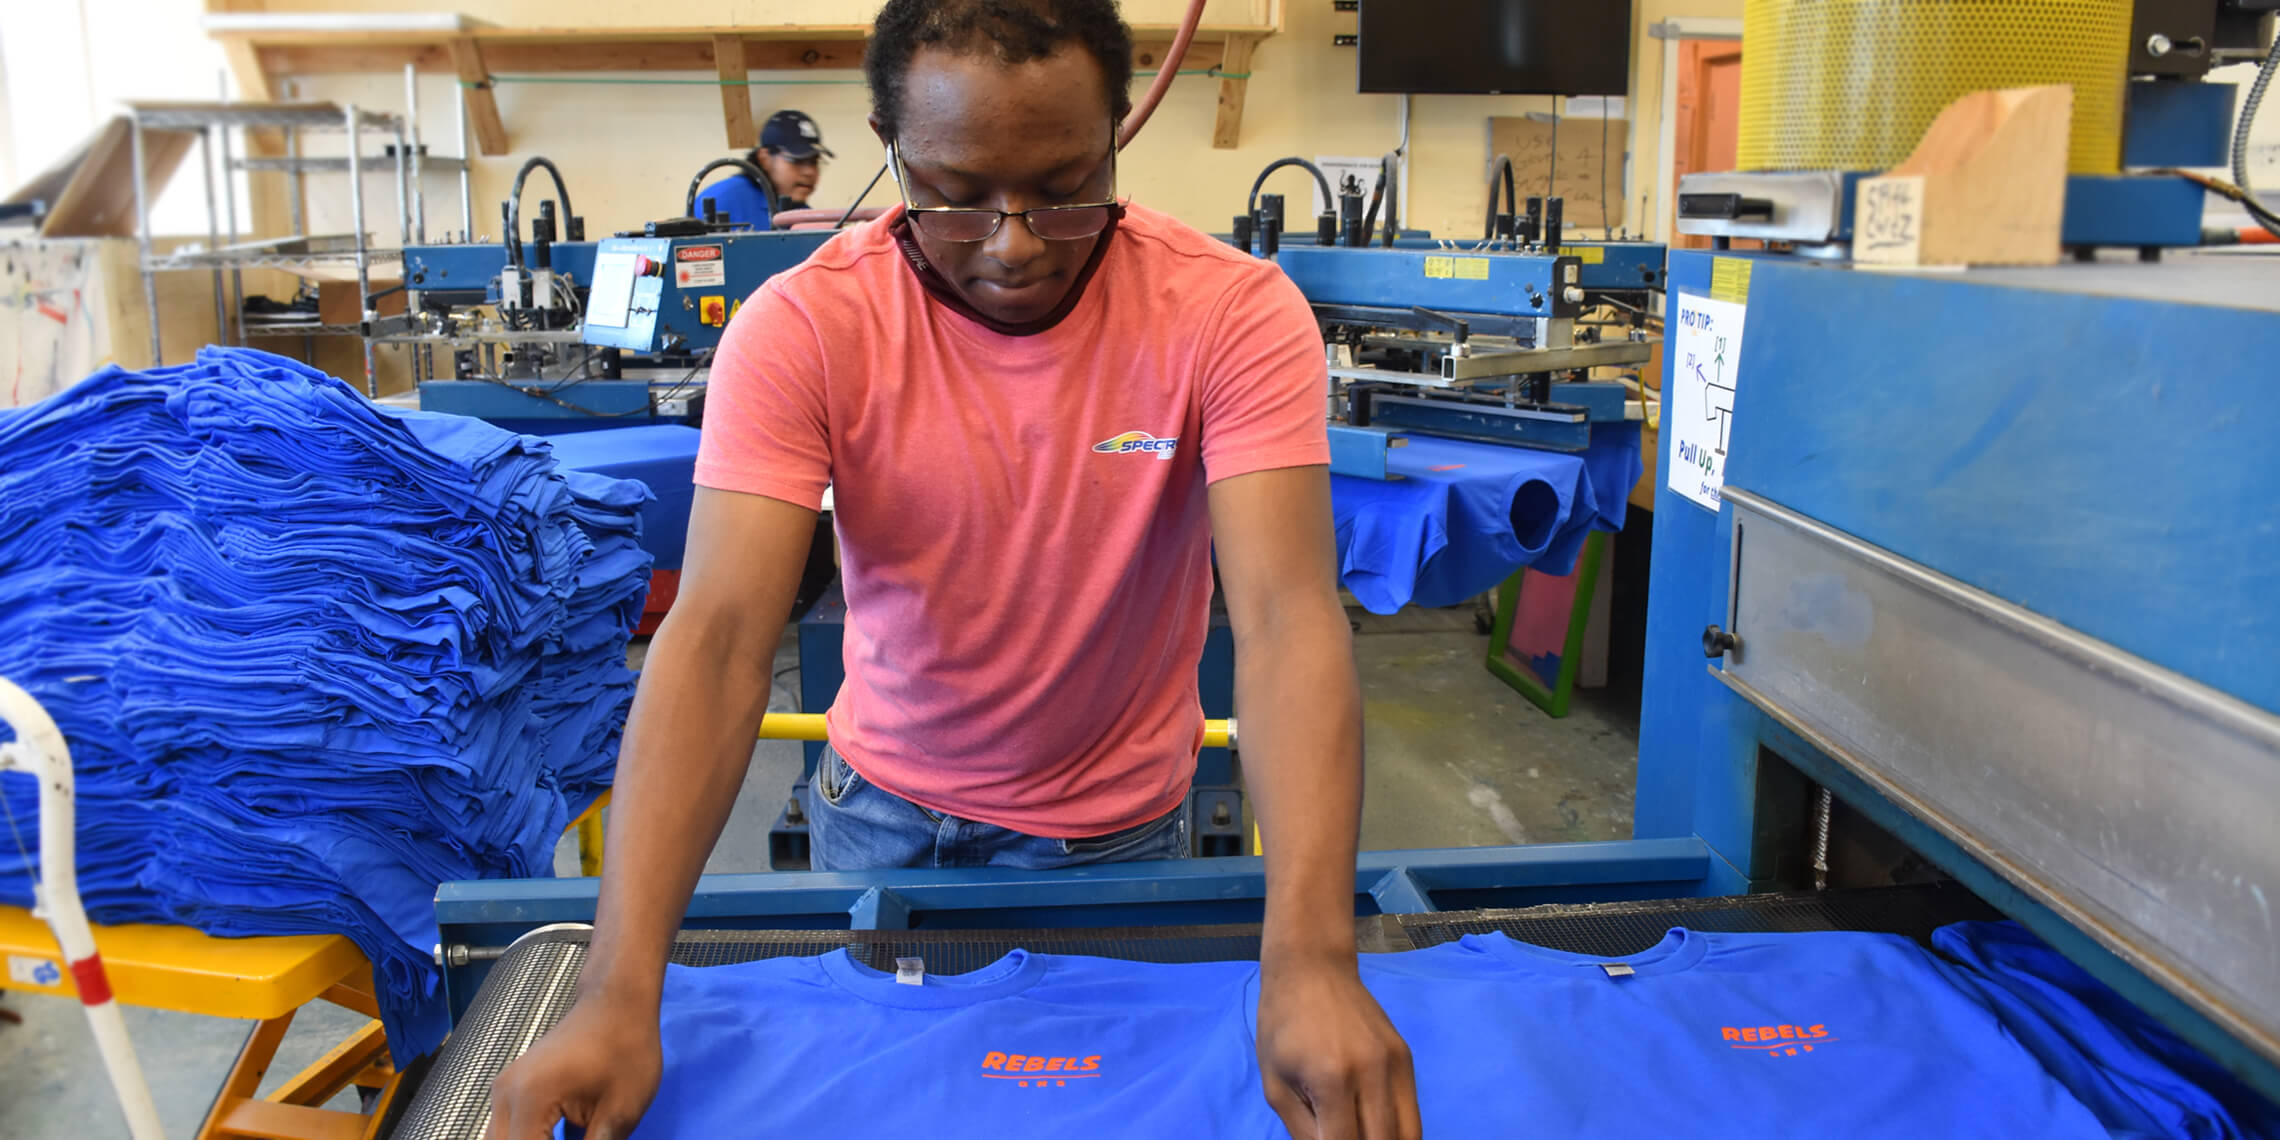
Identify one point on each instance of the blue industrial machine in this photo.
(1488, 340)
(1994, 562)
(2004, 592)
(654, 307)
(1988, 558)
(550, 336)
(1469, 342)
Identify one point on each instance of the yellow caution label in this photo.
(1457, 268)
(1588, 254)
(1730, 279)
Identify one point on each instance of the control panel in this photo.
(662, 296)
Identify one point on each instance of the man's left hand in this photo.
(1335, 1068)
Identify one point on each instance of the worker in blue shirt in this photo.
(791, 154)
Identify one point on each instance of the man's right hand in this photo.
(597, 1069)
(704, 690)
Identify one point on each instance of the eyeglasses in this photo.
(971, 224)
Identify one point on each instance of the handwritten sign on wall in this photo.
(1590, 167)
(1890, 227)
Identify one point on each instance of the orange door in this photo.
(1709, 125)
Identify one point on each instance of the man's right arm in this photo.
(704, 688)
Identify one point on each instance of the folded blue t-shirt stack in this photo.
(313, 656)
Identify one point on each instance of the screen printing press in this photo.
(1973, 592)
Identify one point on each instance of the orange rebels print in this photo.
(1028, 1070)
(1776, 1040)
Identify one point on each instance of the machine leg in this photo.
(244, 1080)
(590, 844)
(294, 1111)
(361, 1060)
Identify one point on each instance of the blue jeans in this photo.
(854, 825)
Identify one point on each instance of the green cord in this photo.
(631, 82)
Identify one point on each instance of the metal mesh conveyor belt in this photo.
(534, 982)
(1615, 929)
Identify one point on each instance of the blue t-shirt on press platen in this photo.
(1067, 1047)
(1743, 1035)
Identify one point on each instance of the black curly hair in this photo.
(1014, 31)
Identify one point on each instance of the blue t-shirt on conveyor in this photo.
(1032, 1045)
(1743, 1035)
(2141, 1079)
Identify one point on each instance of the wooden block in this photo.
(735, 93)
(1985, 186)
(482, 102)
(337, 303)
(1235, 60)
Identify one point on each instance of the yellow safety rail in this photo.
(799, 726)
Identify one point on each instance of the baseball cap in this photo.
(794, 135)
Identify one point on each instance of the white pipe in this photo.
(39, 751)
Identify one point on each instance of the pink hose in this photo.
(807, 219)
(1164, 75)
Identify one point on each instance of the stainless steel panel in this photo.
(2141, 806)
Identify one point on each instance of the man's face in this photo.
(979, 133)
(794, 178)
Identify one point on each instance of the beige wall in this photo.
(629, 150)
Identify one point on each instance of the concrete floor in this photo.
(1455, 759)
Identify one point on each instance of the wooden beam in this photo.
(266, 202)
(803, 55)
(735, 95)
(482, 102)
(512, 57)
(383, 54)
(492, 36)
(245, 67)
(1227, 131)
(694, 55)
(354, 59)
(1200, 56)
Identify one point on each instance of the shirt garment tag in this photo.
(910, 971)
(1617, 969)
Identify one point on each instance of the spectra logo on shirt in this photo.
(1137, 441)
(1028, 1070)
(1777, 1040)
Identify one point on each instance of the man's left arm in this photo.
(1334, 1067)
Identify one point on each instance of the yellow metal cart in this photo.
(266, 980)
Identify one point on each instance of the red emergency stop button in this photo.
(645, 266)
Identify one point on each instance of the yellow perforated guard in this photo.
(1852, 84)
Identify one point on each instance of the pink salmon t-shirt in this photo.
(1023, 528)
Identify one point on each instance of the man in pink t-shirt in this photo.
(1040, 410)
